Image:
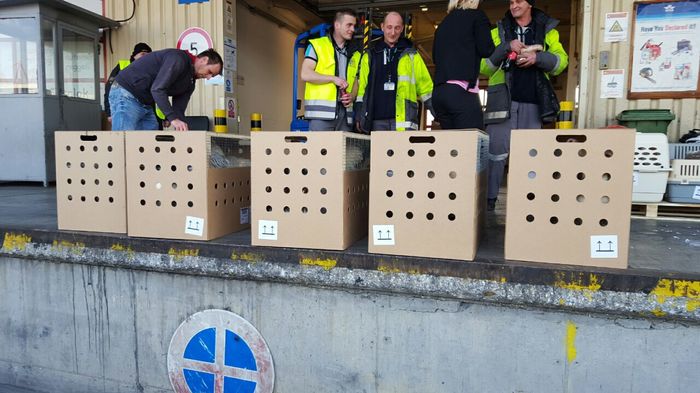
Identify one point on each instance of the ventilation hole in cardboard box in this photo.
(110, 165)
(68, 164)
(111, 200)
(268, 171)
(157, 149)
(411, 153)
(304, 151)
(110, 183)
(453, 196)
(97, 182)
(555, 198)
(82, 148)
(578, 221)
(216, 186)
(174, 186)
(431, 174)
(533, 152)
(82, 181)
(304, 209)
(453, 175)
(324, 191)
(216, 203)
(389, 193)
(82, 199)
(173, 168)
(580, 198)
(241, 198)
(248, 198)
(158, 203)
(454, 152)
(606, 177)
(286, 171)
(532, 174)
(429, 216)
(389, 213)
(557, 152)
(233, 201)
(553, 220)
(82, 165)
(70, 181)
(431, 195)
(305, 190)
(268, 208)
(268, 189)
(324, 210)
(173, 203)
(410, 173)
(109, 148)
(324, 152)
(390, 153)
(348, 190)
(531, 196)
(431, 153)
(94, 148)
(556, 175)
(530, 218)
(286, 151)
(605, 199)
(409, 215)
(225, 202)
(96, 166)
(409, 195)
(70, 197)
(143, 202)
(608, 153)
(323, 171)
(286, 209)
(190, 204)
(389, 173)
(225, 185)
(190, 186)
(141, 149)
(189, 150)
(581, 176)
(189, 168)
(67, 147)
(582, 152)
(158, 167)
(247, 182)
(142, 167)
(451, 217)
(287, 190)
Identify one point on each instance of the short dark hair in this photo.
(340, 14)
(213, 56)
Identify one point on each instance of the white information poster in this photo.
(665, 48)
(616, 26)
(612, 83)
(230, 54)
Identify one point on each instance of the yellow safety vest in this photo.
(125, 63)
(320, 100)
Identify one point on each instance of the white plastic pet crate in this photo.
(651, 167)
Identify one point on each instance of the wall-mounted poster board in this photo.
(665, 57)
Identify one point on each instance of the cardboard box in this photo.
(187, 185)
(569, 196)
(310, 190)
(90, 181)
(428, 193)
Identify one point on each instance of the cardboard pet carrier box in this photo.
(187, 185)
(310, 190)
(427, 193)
(569, 196)
(90, 181)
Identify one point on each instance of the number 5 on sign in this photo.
(194, 40)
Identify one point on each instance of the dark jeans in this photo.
(457, 108)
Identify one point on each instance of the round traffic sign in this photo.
(195, 40)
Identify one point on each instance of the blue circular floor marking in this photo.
(217, 351)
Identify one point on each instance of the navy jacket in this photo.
(159, 75)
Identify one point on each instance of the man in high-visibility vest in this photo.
(327, 103)
(140, 50)
(392, 78)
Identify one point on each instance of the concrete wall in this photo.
(79, 328)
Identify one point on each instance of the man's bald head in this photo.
(392, 27)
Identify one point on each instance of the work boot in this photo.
(491, 204)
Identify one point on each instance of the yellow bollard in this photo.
(220, 120)
(256, 122)
(565, 120)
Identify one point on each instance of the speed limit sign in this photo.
(194, 40)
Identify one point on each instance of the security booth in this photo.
(48, 81)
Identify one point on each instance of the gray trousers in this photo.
(522, 115)
(384, 125)
(339, 124)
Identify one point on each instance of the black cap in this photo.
(141, 47)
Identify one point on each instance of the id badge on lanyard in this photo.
(388, 85)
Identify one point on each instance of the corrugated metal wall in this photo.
(159, 23)
(601, 112)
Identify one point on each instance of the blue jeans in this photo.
(128, 113)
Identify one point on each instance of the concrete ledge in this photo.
(635, 293)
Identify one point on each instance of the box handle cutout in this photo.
(571, 138)
(88, 138)
(165, 138)
(295, 139)
(422, 139)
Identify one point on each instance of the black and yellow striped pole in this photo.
(408, 30)
(365, 31)
(220, 121)
(565, 120)
(256, 121)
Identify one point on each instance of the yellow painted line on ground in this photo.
(14, 241)
(247, 257)
(570, 342)
(121, 248)
(667, 288)
(179, 255)
(73, 248)
(582, 282)
(393, 269)
(327, 264)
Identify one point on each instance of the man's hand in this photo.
(526, 59)
(516, 46)
(109, 119)
(179, 125)
(340, 82)
(347, 99)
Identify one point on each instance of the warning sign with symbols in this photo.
(616, 26)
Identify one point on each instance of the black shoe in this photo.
(491, 204)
